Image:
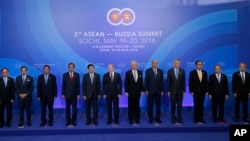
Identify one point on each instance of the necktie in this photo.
(111, 77)
(155, 72)
(92, 78)
(176, 73)
(23, 78)
(71, 76)
(243, 77)
(46, 79)
(218, 77)
(5, 82)
(134, 75)
(200, 75)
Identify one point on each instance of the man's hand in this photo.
(84, 97)
(119, 96)
(192, 93)
(162, 93)
(11, 101)
(38, 98)
(126, 94)
(78, 97)
(169, 94)
(146, 92)
(99, 96)
(63, 96)
(235, 94)
(184, 94)
(104, 96)
(142, 93)
(54, 98)
(226, 97)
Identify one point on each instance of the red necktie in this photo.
(71, 76)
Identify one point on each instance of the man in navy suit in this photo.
(46, 93)
(154, 87)
(241, 91)
(7, 97)
(24, 87)
(91, 89)
(176, 86)
(218, 93)
(71, 93)
(133, 90)
(112, 90)
(198, 87)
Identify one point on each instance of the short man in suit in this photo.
(218, 93)
(133, 90)
(112, 91)
(241, 91)
(24, 87)
(46, 93)
(176, 86)
(7, 97)
(154, 87)
(198, 87)
(71, 93)
(91, 89)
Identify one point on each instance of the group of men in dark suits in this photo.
(200, 85)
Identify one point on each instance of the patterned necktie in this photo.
(111, 77)
(5, 82)
(176, 73)
(23, 78)
(155, 72)
(200, 75)
(218, 77)
(46, 79)
(242, 77)
(71, 76)
(92, 78)
(134, 75)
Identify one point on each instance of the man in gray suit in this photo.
(176, 90)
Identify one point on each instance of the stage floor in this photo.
(59, 127)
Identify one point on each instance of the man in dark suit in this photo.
(46, 93)
(176, 86)
(112, 90)
(218, 93)
(154, 87)
(24, 87)
(241, 91)
(91, 89)
(133, 90)
(7, 97)
(71, 93)
(198, 87)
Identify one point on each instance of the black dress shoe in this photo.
(109, 122)
(137, 122)
(173, 120)
(195, 121)
(179, 122)
(74, 123)
(95, 123)
(131, 122)
(50, 123)
(158, 120)
(68, 123)
(150, 121)
(215, 120)
(42, 124)
(116, 122)
(29, 124)
(20, 125)
(88, 123)
(246, 120)
(8, 124)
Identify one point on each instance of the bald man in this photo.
(133, 90)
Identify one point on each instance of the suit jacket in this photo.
(194, 83)
(26, 87)
(71, 89)
(218, 89)
(131, 87)
(176, 85)
(48, 91)
(91, 90)
(7, 93)
(111, 88)
(154, 84)
(238, 86)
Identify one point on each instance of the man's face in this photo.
(242, 67)
(177, 64)
(71, 68)
(110, 68)
(199, 65)
(46, 70)
(23, 71)
(91, 69)
(5, 73)
(134, 66)
(217, 69)
(154, 64)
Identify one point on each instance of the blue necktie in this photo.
(176, 73)
(5, 82)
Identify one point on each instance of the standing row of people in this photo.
(200, 85)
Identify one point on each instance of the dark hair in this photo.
(46, 66)
(71, 64)
(23, 67)
(90, 65)
(217, 66)
(196, 62)
(4, 69)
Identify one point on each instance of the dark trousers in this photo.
(8, 106)
(199, 99)
(154, 98)
(113, 101)
(244, 101)
(25, 104)
(218, 103)
(134, 110)
(91, 102)
(47, 103)
(71, 102)
(176, 101)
